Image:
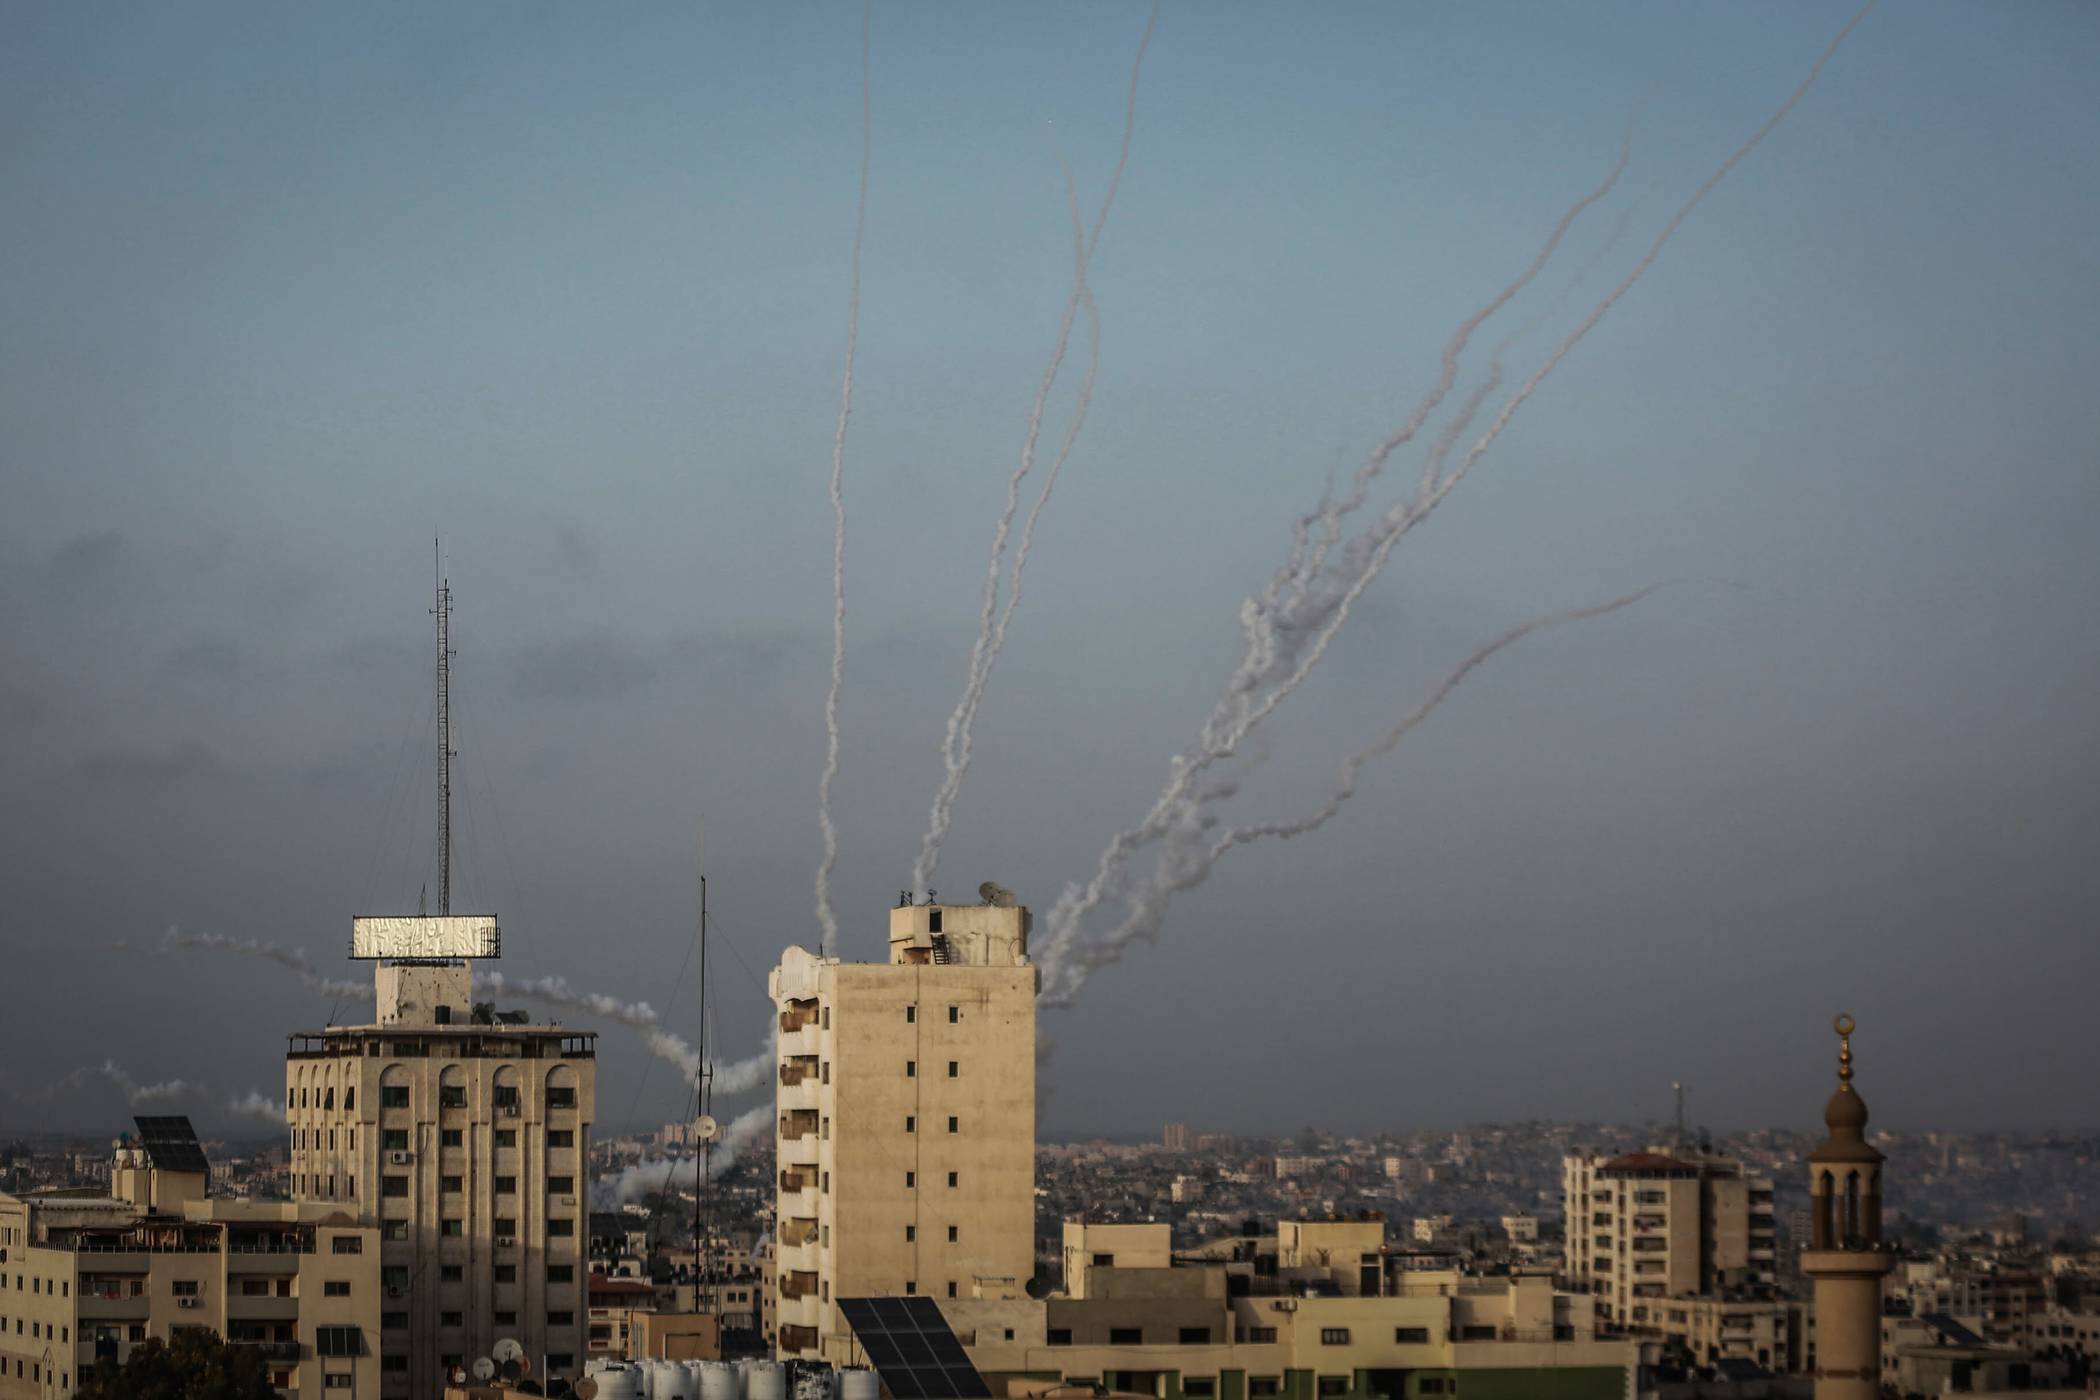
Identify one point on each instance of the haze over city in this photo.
(288, 295)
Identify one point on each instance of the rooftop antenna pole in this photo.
(443, 611)
(1677, 1085)
(704, 1189)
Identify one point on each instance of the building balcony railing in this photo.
(795, 1179)
(273, 1350)
(797, 1015)
(800, 1284)
(798, 1230)
(798, 1123)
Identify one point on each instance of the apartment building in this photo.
(1653, 1225)
(906, 1138)
(84, 1275)
(1188, 1332)
(464, 1137)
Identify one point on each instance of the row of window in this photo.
(911, 1233)
(39, 1284)
(911, 1015)
(911, 1123)
(36, 1373)
(39, 1331)
(911, 1180)
(911, 1069)
(394, 1277)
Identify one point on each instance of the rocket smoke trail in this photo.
(292, 959)
(739, 1077)
(826, 915)
(1289, 628)
(993, 620)
(655, 1174)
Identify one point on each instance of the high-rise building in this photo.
(1664, 1224)
(465, 1137)
(91, 1276)
(1845, 1255)
(1175, 1138)
(906, 1143)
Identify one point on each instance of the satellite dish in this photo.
(1037, 1289)
(484, 1369)
(459, 1375)
(995, 894)
(507, 1349)
(585, 1389)
(706, 1129)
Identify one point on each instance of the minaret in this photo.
(1845, 1255)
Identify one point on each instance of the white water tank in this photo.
(717, 1381)
(619, 1383)
(859, 1385)
(667, 1381)
(694, 1372)
(766, 1380)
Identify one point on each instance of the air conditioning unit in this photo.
(505, 1241)
(568, 1200)
(1286, 1305)
(185, 1302)
(509, 1110)
(401, 1159)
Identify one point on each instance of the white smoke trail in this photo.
(826, 915)
(135, 1094)
(1289, 629)
(656, 1174)
(738, 1077)
(993, 620)
(293, 959)
(256, 1104)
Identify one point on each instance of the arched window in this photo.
(1852, 1216)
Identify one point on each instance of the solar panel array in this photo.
(914, 1350)
(171, 1144)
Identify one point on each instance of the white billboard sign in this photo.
(436, 936)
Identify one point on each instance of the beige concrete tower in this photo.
(906, 1139)
(465, 1138)
(1845, 1256)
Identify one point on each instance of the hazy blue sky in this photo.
(286, 291)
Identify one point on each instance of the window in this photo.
(951, 1288)
(1334, 1385)
(561, 1137)
(393, 1139)
(561, 1318)
(561, 1185)
(396, 1186)
(951, 1180)
(954, 1124)
(451, 1273)
(452, 1096)
(506, 1273)
(504, 1225)
(1411, 1336)
(394, 1231)
(933, 922)
(827, 1018)
(338, 1380)
(394, 1321)
(453, 1227)
(560, 1361)
(561, 1096)
(394, 1277)
(1334, 1336)
(1474, 1332)
(255, 1288)
(911, 1286)
(1126, 1336)
(505, 1317)
(951, 1234)
(911, 1069)
(954, 1069)
(1059, 1336)
(506, 1137)
(450, 1318)
(185, 1288)
(561, 1229)
(1199, 1387)
(339, 1341)
(954, 1014)
(393, 1096)
(561, 1273)
(452, 1137)
(1195, 1337)
(336, 1288)
(348, 1244)
(911, 1015)
(911, 1124)
(1257, 1334)
(1437, 1385)
(911, 1179)
(451, 1184)
(911, 1232)
(506, 1186)
(350, 1102)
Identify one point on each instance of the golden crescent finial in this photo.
(1844, 1025)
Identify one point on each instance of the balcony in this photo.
(800, 1284)
(272, 1351)
(798, 1339)
(797, 1070)
(798, 1015)
(798, 1230)
(797, 1179)
(798, 1123)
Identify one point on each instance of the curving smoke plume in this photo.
(292, 959)
(737, 1077)
(256, 1104)
(652, 1175)
(826, 915)
(1289, 627)
(993, 620)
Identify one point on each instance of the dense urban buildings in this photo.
(906, 1132)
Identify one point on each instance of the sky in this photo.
(288, 293)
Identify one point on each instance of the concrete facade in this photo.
(906, 1132)
(466, 1141)
(1655, 1225)
(84, 1276)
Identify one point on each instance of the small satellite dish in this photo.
(484, 1369)
(585, 1389)
(706, 1129)
(1037, 1288)
(459, 1375)
(996, 895)
(507, 1349)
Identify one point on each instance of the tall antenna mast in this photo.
(443, 611)
(1678, 1086)
(704, 1188)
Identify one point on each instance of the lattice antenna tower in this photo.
(443, 612)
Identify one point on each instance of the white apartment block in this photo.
(1649, 1226)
